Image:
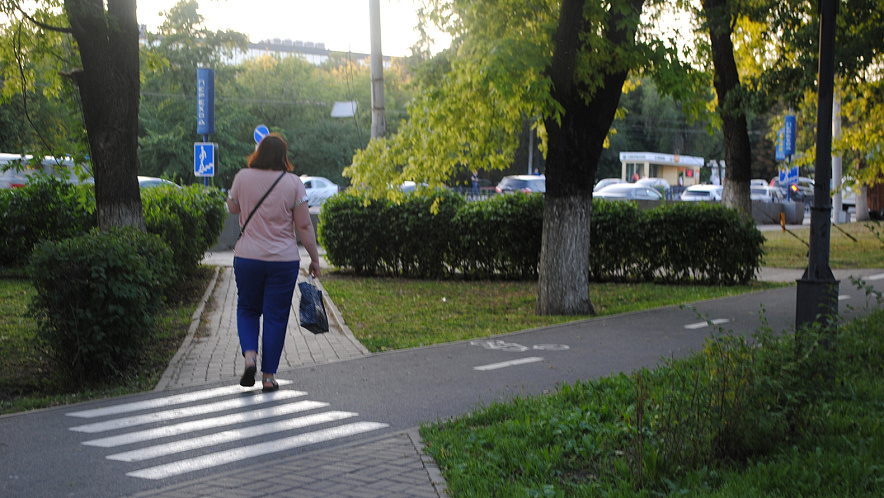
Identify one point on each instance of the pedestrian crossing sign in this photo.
(204, 159)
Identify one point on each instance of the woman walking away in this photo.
(272, 205)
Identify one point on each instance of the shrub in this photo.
(45, 209)
(429, 236)
(421, 234)
(188, 219)
(96, 295)
(353, 233)
(500, 236)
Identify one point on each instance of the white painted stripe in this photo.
(208, 423)
(700, 325)
(843, 297)
(168, 401)
(878, 276)
(231, 404)
(234, 455)
(228, 436)
(504, 364)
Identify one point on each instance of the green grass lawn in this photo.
(851, 245)
(391, 313)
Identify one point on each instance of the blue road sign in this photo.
(261, 131)
(203, 159)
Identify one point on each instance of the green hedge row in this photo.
(188, 219)
(438, 235)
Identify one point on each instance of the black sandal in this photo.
(274, 386)
(248, 376)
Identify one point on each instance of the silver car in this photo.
(628, 192)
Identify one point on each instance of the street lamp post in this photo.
(817, 299)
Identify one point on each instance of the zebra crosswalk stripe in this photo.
(237, 454)
(177, 399)
(209, 423)
(166, 415)
(229, 436)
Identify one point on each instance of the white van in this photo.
(19, 168)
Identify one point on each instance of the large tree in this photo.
(719, 18)
(107, 82)
(562, 62)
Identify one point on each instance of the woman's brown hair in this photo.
(272, 154)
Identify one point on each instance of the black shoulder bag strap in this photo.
(241, 230)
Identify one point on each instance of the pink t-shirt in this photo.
(270, 235)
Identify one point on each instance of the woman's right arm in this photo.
(304, 226)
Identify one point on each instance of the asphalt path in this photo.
(74, 450)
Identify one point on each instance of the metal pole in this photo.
(378, 114)
(817, 299)
(836, 163)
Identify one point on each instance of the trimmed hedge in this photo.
(414, 238)
(190, 220)
(500, 237)
(45, 209)
(96, 295)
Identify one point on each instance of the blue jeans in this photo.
(264, 288)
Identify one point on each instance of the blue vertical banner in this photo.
(205, 101)
(780, 154)
(789, 138)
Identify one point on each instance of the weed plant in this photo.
(775, 415)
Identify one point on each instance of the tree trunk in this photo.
(109, 87)
(575, 144)
(862, 203)
(737, 149)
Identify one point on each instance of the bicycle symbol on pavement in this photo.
(512, 347)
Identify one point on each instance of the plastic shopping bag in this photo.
(312, 309)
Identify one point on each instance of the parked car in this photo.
(758, 182)
(700, 193)
(151, 182)
(522, 183)
(628, 192)
(801, 191)
(318, 189)
(605, 182)
(410, 186)
(659, 184)
(766, 194)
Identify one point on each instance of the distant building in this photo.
(315, 53)
(674, 168)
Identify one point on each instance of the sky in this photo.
(343, 25)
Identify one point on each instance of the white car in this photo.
(605, 182)
(318, 189)
(766, 194)
(700, 193)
